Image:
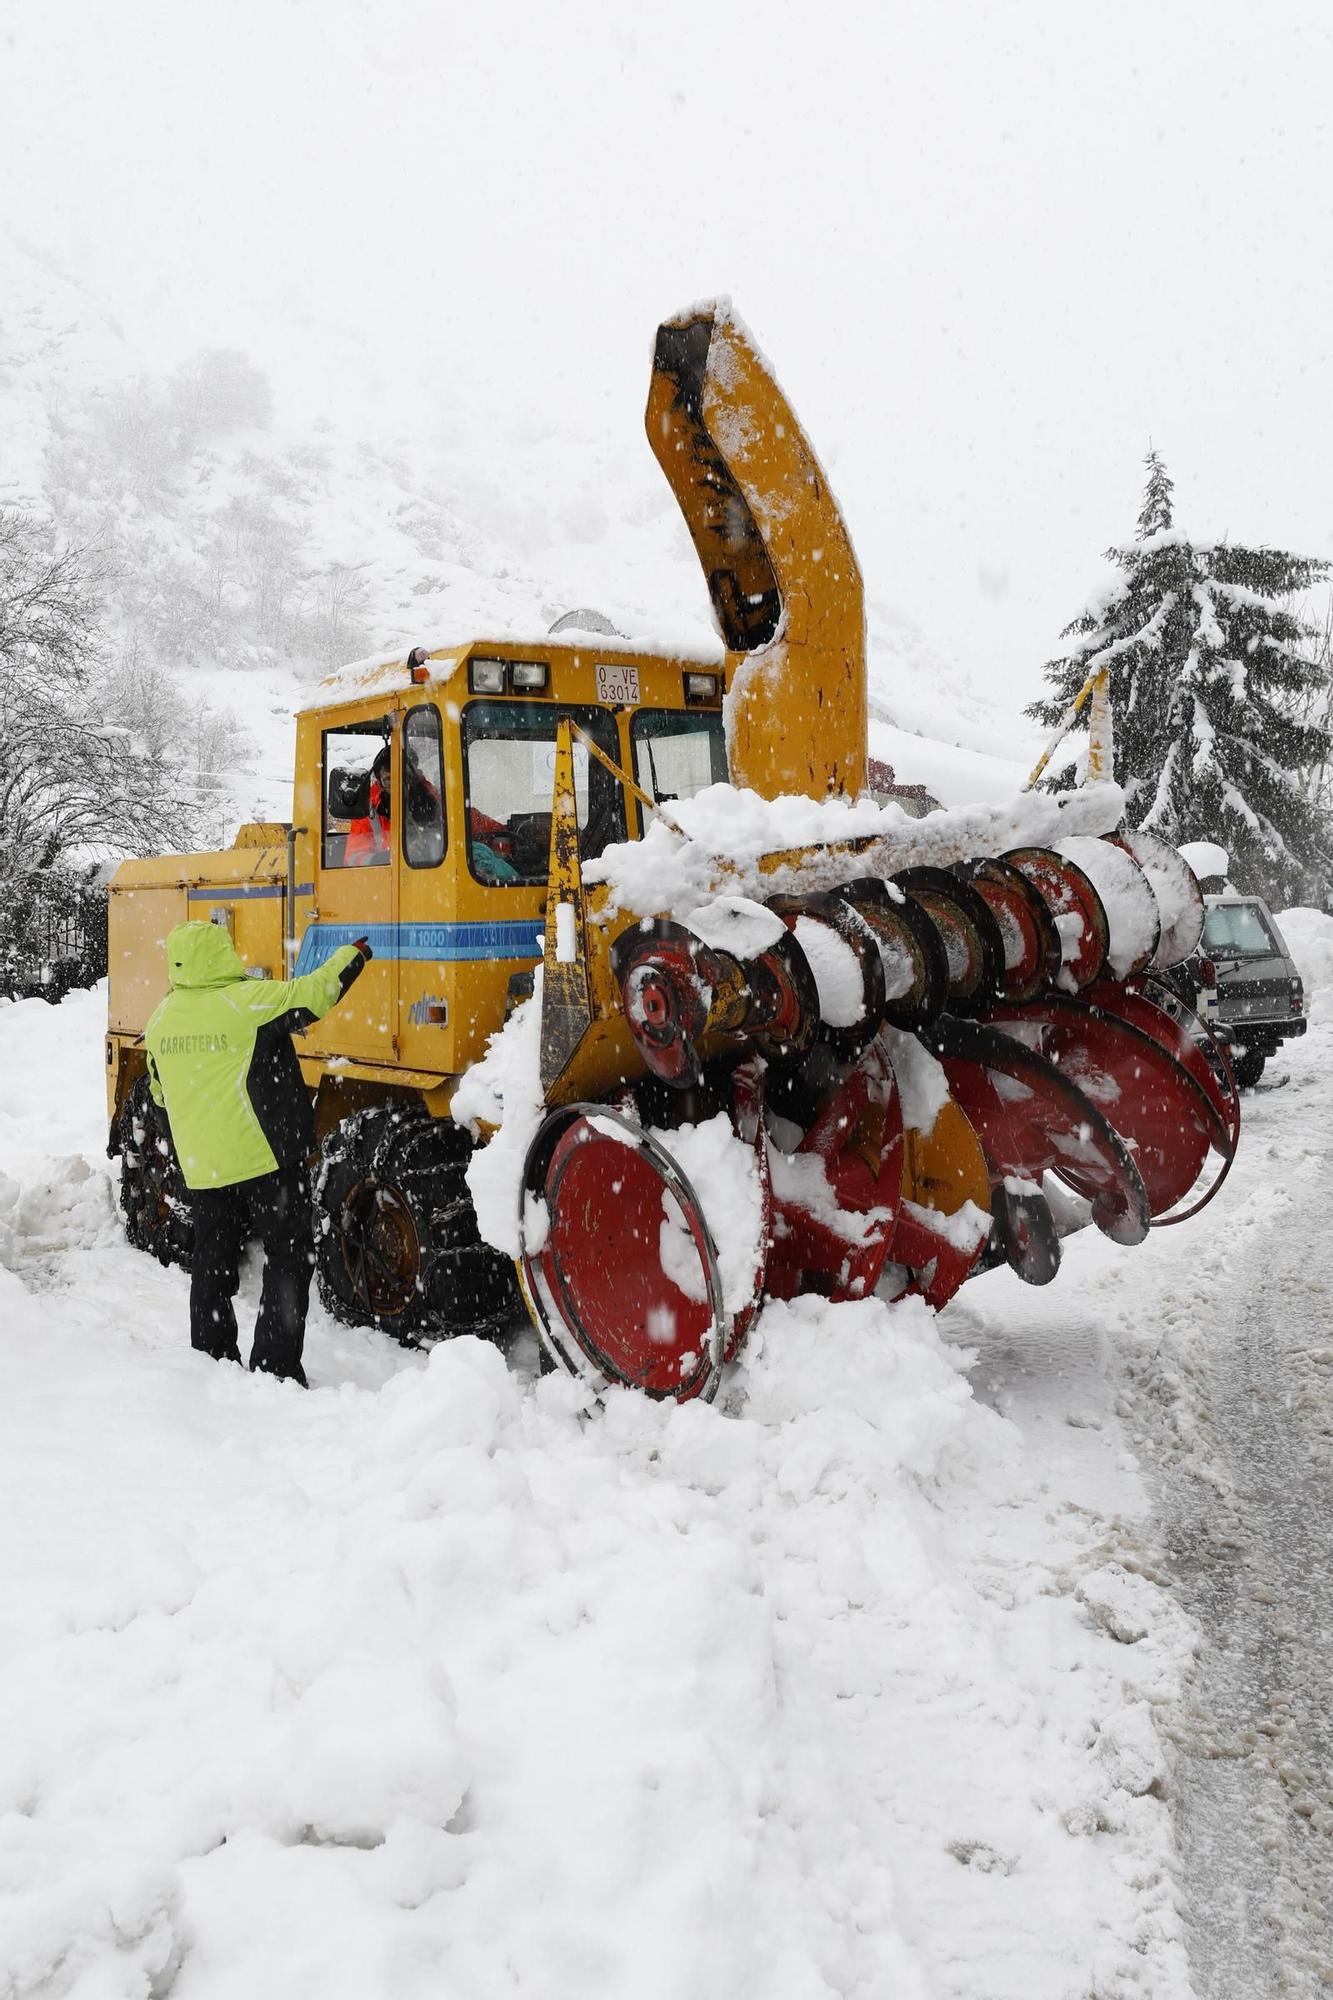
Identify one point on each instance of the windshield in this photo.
(509, 761)
(677, 753)
(1237, 930)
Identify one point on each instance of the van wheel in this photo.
(1247, 1066)
(153, 1194)
(396, 1240)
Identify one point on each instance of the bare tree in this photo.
(46, 604)
(217, 391)
(73, 786)
(334, 602)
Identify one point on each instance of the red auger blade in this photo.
(1176, 888)
(1028, 935)
(1175, 1099)
(617, 1260)
(971, 936)
(848, 970)
(1032, 1118)
(1075, 907)
(686, 1001)
(836, 1195)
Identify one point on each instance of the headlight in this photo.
(701, 688)
(529, 676)
(486, 676)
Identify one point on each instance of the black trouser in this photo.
(276, 1209)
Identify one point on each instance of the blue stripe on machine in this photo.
(438, 944)
(245, 892)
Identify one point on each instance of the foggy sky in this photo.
(992, 250)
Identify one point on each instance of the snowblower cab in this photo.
(777, 1036)
(442, 859)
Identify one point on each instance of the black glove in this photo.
(354, 967)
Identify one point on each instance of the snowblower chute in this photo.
(889, 1057)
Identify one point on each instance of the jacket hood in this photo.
(202, 955)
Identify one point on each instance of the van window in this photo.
(1237, 930)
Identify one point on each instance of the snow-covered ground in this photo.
(435, 1681)
(1212, 1345)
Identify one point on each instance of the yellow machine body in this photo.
(782, 574)
(452, 945)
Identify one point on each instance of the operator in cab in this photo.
(365, 801)
(368, 835)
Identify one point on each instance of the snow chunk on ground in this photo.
(445, 1687)
(1309, 935)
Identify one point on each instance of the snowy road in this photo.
(1221, 1336)
(1248, 1525)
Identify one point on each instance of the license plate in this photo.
(618, 687)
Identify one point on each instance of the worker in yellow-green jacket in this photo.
(222, 1066)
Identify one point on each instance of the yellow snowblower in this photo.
(763, 1034)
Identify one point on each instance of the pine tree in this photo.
(1155, 513)
(1211, 671)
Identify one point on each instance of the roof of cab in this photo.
(388, 673)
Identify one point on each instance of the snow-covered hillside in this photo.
(245, 552)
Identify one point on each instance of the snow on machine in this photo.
(762, 1034)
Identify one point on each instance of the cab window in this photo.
(677, 753)
(357, 817)
(509, 761)
(423, 786)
